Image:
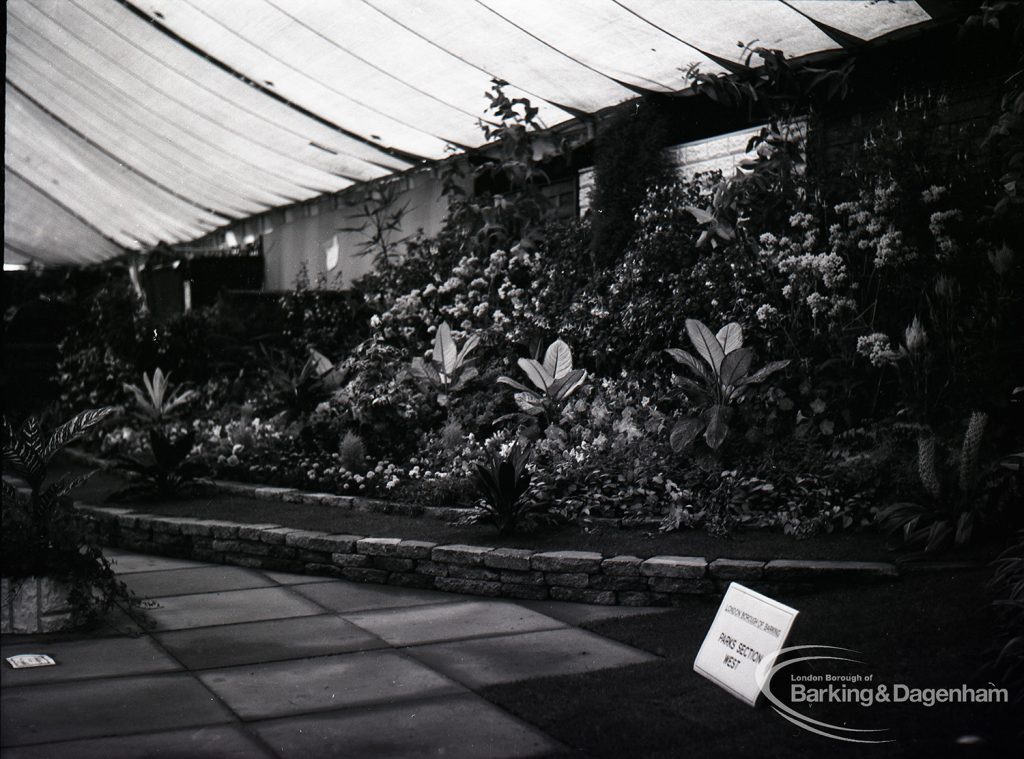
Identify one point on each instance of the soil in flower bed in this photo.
(925, 631)
(755, 544)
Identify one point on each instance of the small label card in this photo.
(22, 661)
(747, 630)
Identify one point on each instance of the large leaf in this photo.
(685, 432)
(558, 359)
(538, 375)
(424, 371)
(696, 393)
(731, 337)
(964, 528)
(320, 363)
(529, 403)
(764, 372)
(23, 452)
(467, 348)
(75, 428)
(565, 386)
(142, 399)
(706, 344)
(735, 366)
(467, 374)
(62, 487)
(158, 387)
(445, 352)
(702, 216)
(718, 427)
(690, 362)
(181, 398)
(503, 380)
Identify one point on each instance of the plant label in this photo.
(22, 661)
(749, 629)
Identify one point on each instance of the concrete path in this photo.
(246, 663)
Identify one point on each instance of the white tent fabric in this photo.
(130, 124)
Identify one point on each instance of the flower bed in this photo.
(791, 348)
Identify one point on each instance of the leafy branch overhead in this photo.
(781, 92)
(720, 379)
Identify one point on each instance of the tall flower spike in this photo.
(915, 337)
(926, 464)
(969, 452)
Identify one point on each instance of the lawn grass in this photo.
(925, 630)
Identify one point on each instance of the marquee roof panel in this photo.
(62, 237)
(134, 123)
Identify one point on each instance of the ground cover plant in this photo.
(870, 306)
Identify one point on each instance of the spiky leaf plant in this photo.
(43, 534)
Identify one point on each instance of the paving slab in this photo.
(267, 641)
(323, 683)
(201, 610)
(94, 708)
(223, 742)
(343, 596)
(287, 578)
(176, 582)
(441, 622)
(578, 614)
(128, 563)
(509, 658)
(77, 660)
(467, 727)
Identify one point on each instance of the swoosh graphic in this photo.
(767, 669)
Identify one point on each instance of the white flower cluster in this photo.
(877, 349)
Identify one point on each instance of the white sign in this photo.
(748, 629)
(30, 660)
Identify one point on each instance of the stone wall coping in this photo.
(584, 576)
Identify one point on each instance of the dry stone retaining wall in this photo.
(478, 570)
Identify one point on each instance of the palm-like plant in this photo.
(297, 389)
(154, 401)
(503, 481)
(449, 368)
(554, 381)
(38, 517)
(161, 468)
(719, 382)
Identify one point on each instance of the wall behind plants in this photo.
(300, 236)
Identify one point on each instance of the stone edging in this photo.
(582, 576)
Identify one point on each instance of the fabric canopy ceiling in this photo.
(131, 123)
